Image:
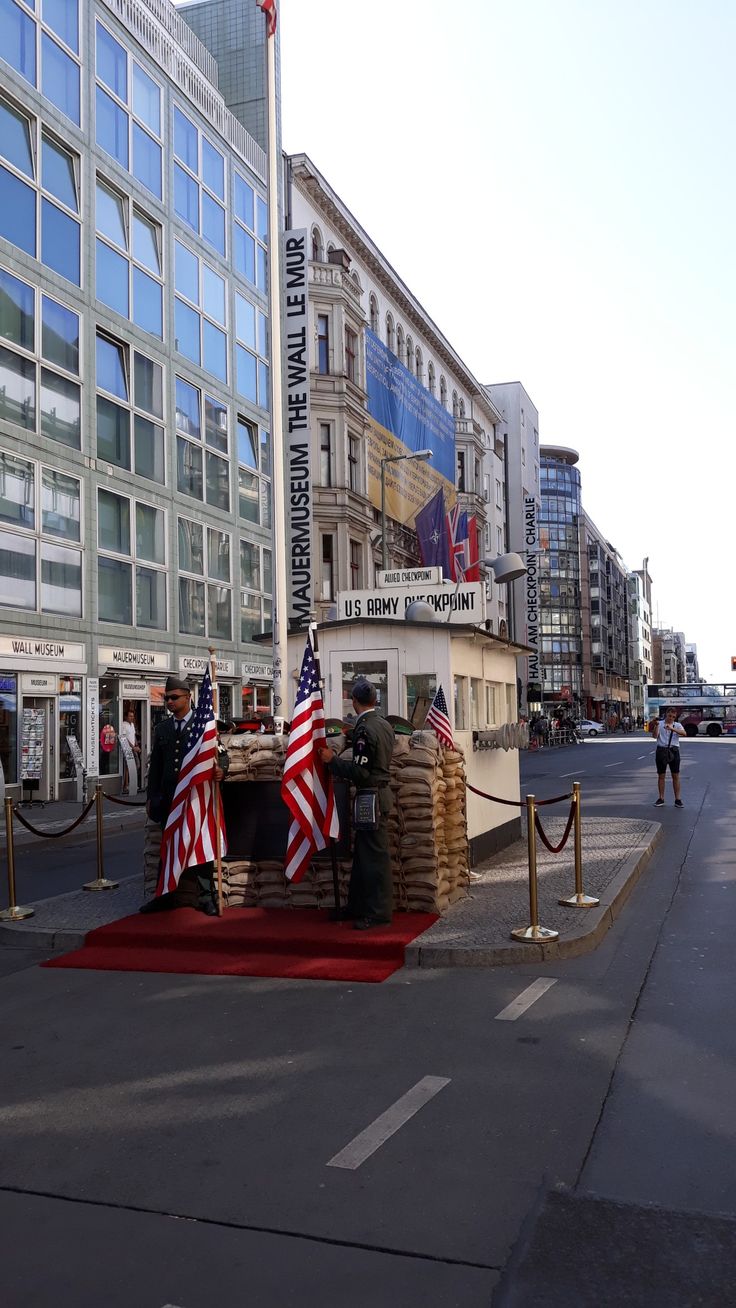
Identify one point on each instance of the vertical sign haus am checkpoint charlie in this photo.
(531, 543)
(295, 316)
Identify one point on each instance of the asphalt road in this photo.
(52, 867)
(133, 1101)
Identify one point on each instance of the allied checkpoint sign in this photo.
(402, 418)
(463, 603)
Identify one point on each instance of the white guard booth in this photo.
(408, 661)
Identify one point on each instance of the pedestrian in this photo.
(370, 895)
(537, 729)
(128, 732)
(667, 755)
(170, 744)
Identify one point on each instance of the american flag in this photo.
(190, 834)
(307, 787)
(437, 718)
(269, 9)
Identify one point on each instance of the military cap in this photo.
(363, 692)
(175, 683)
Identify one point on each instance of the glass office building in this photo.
(559, 579)
(135, 447)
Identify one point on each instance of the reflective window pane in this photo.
(114, 589)
(186, 198)
(191, 607)
(150, 598)
(110, 215)
(189, 469)
(267, 582)
(263, 385)
(213, 168)
(17, 389)
(185, 140)
(61, 414)
(261, 219)
(113, 522)
(150, 542)
(111, 280)
(112, 63)
(250, 615)
(250, 571)
(60, 78)
(146, 99)
(261, 269)
(244, 253)
(58, 173)
(17, 571)
(62, 17)
(219, 612)
(17, 212)
(186, 272)
(149, 450)
(243, 200)
(147, 303)
(16, 311)
(113, 433)
(215, 350)
(59, 241)
(147, 160)
(60, 505)
(111, 371)
(17, 491)
(149, 385)
(262, 334)
(246, 373)
(265, 453)
(218, 555)
(191, 546)
(213, 223)
(186, 330)
(61, 580)
(247, 444)
(218, 481)
(248, 497)
(18, 42)
(213, 294)
(245, 320)
(112, 127)
(265, 497)
(215, 424)
(147, 243)
(15, 139)
(188, 418)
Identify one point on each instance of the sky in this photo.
(554, 180)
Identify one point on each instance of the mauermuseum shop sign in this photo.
(148, 660)
(464, 603)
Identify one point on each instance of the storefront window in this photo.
(9, 728)
(70, 722)
(420, 691)
(109, 757)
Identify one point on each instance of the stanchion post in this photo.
(579, 899)
(534, 933)
(101, 883)
(12, 913)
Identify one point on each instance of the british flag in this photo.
(190, 834)
(307, 788)
(462, 532)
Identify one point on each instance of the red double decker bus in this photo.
(702, 708)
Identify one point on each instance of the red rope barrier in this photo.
(126, 803)
(555, 849)
(53, 835)
(517, 803)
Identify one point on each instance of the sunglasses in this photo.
(179, 695)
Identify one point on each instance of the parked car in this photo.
(589, 728)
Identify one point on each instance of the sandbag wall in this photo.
(427, 830)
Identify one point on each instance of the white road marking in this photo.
(572, 774)
(614, 765)
(388, 1123)
(641, 756)
(525, 999)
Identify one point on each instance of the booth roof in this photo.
(454, 629)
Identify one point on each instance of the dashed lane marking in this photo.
(525, 999)
(614, 765)
(572, 774)
(388, 1123)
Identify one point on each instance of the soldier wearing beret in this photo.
(370, 897)
(170, 743)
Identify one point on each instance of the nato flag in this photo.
(430, 524)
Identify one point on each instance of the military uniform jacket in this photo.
(373, 745)
(169, 748)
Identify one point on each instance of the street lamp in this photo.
(393, 458)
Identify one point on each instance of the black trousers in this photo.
(196, 887)
(371, 892)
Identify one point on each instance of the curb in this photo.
(86, 830)
(570, 945)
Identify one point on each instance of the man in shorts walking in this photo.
(667, 755)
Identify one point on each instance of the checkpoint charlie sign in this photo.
(464, 603)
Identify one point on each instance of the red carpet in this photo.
(300, 943)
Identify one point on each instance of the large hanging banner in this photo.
(298, 487)
(404, 418)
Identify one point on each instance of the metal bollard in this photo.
(12, 913)
(534, 933)
(101, 883)
(578, 900)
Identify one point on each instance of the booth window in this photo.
(476, 703)
(420, 691)
(375, 671)
(460, 703)
(493, 703)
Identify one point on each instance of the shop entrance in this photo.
(37, 748)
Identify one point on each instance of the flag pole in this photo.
(218, 800)
(333, 852)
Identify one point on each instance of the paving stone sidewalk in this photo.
(473, 933)
(55, 817)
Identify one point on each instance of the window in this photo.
(24, 37)
(390, 333)
(205, 596)
(200, 472)
(325, 454)
(40, 570)
(431, 378)
(317, 246)
(323, 343)
(356, 568)
(251, 352)
(254, 471)
(373, 313)
(461, 409)
(328, 579)
(199, 182)
(400, 342)
(409, 354)
(443, 392)
(460, 471)
(128, 112)
(255, 589)
(250, 233)
(353, 465)
(39, 215)
(460, 703)
(131, 562)
(351, 354)
(129, 261)
(419, 364)
(128, 433)
(200, 312)
(34, 396)
(499, 499)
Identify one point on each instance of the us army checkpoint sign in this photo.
(464, 603)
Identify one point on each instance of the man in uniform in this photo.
(170, 743)
(370, 897)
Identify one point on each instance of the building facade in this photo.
(604, 588)
(135, 449)
(560, 594)
(692, 667)
(639, 586)
(669, 658)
